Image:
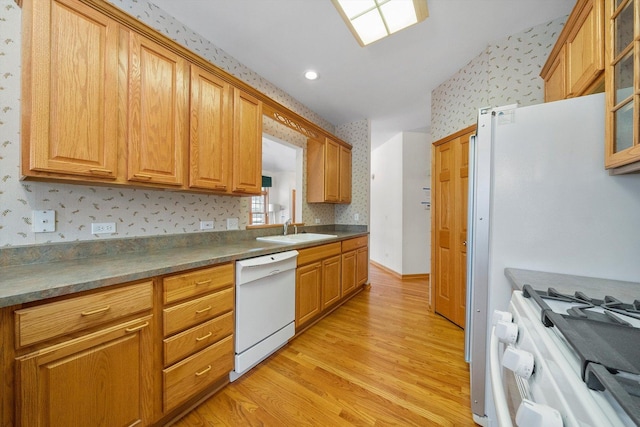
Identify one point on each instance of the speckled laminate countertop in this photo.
(565, 283)
(37, 281)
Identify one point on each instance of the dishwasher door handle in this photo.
(276, 271)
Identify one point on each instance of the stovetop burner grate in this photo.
(605, 343)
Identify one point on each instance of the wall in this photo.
(416, 218)
(359, 135)
(139, 212)
(400, 224)
(507, 72)
(386, 204)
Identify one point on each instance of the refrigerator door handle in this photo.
(469, 244)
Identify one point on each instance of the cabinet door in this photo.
(585, 49)
(247, 144)
(102, 379)
(70, 87)
(331, 285)
(555, 83)
(362, 266)
(622, 127)
(349, 272)
(308, 283)
(331, 171)
(345, 175)
(210, 132)
(158, 115)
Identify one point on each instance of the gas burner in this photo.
(605, 335)
(609, 309)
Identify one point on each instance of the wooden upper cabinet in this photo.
(210, 132)
(70, 96)
(555, 84)
(331, 171)
(328, 172)
(345, 175)
(157, 113)
(622, 141)
(247, 144)
(575, 66)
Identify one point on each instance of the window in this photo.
(259, 205)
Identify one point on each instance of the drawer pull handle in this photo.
(96, 311)
(137, 328)
(204, 282)
(220, 187)
(204, 337)
(142, 176)
(100, 171)
(203, 310)
(204, 371)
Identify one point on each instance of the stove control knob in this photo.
(501, 316)
(507, 332)
(531, 414)
(519, 361)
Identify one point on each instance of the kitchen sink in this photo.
(296, 238)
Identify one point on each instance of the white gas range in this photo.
(566, 359)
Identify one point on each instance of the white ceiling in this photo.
(388, 82)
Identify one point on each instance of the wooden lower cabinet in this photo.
(142, 353)
(102, 379)
(198, 325)
(330, 282)
(308, 285)
(86, 360)
(328, 274)
(355, 263)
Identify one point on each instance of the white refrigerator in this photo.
(540, 199)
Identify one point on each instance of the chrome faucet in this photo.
(287, 223)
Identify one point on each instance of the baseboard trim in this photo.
(398, 275)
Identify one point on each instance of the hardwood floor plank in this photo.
(381, 359)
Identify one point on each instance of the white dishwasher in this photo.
(265, 307)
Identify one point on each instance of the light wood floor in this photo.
(381, 359)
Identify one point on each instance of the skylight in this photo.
(371, 20)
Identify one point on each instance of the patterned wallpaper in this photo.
(359, 134)
(138, 212)
(507, 72)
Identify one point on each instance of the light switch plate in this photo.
(44, 221)
(233, 224)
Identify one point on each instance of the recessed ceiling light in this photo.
(371, 20)
(311, 75)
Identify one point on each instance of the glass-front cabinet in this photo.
(622, 85)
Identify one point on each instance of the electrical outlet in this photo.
(356, 217)
(103, 227)
(317, 220)
(206, 225)
(233, 224)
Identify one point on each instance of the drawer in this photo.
(351, 244)
(197, 338)
(184, 379)
(194, 283)
(190, 313)
(58, 318)
(316, 253)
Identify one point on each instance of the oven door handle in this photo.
(497, 388)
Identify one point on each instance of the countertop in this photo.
(565, 283)
(34, 282)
